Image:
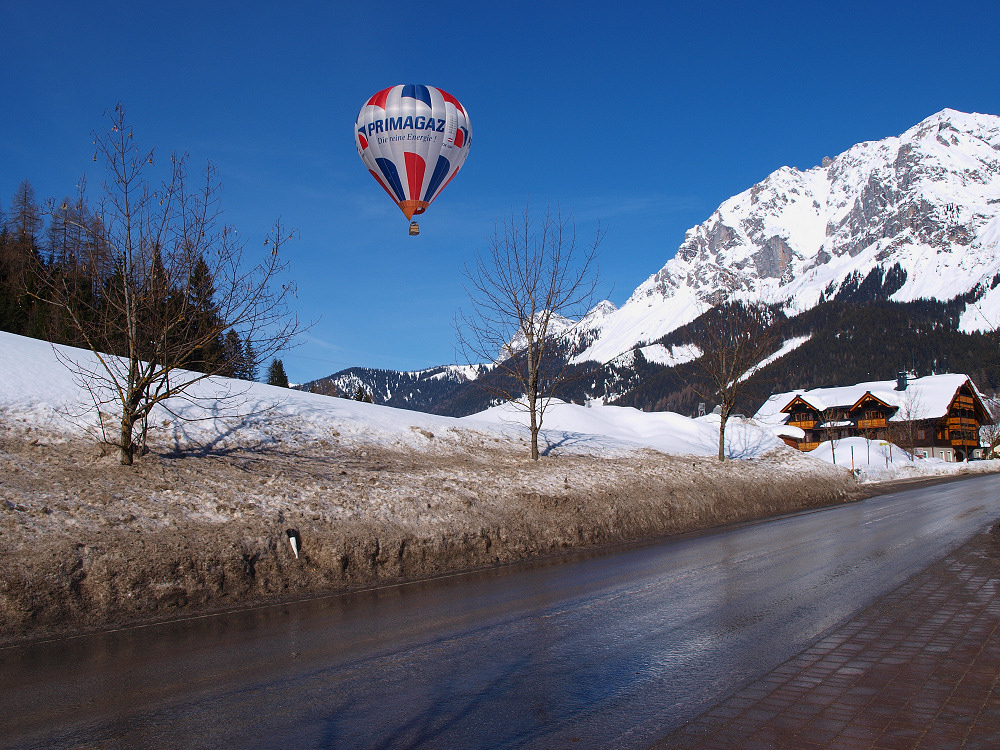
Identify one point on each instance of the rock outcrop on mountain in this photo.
(922, 208)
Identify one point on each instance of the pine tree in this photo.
(26, 216)
(21, 265)
(232, 349)
(276, 374)
(250, 368)
(204, 326)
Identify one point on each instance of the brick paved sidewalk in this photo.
(917, 669)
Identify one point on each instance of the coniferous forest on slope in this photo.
(850, 343)
(52, 244)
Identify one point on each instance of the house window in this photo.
(920, 434)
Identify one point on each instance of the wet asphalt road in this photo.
(602, 651)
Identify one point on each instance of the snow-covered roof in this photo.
(924, 398)
(784, 430)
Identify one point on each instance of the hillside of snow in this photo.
(927, 201)
(37, 391)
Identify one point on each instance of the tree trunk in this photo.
(533, 411)
(722, 436)
(532, 396)
(127, 448)
(130, 415)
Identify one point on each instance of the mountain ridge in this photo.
(928, 199)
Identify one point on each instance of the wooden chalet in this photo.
(935, 416)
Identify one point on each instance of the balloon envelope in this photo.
(413, 139)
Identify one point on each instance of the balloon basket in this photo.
(414, 228)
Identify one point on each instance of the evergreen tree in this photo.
(204, 322)
(232, 349)
(21, 265)
(250, 368)
(26, 216)
(276, 374)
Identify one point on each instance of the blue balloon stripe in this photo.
(414, 91)
(441, 170)
(391, 175)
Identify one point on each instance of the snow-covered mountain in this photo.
(418, 390)
(917, 214)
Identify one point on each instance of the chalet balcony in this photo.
(966, 443)
(962, 437)
(871, 424)
(805, 424)
(962, 423)
(808, 446)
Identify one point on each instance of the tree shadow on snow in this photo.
(745, 443)
(559, 440)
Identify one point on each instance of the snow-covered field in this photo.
(38, 391)
(878, 461)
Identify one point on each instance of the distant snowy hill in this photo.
(919, 213)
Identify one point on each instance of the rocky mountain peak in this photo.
(924, 200)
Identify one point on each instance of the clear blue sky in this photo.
(644, 118)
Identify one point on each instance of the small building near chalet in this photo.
(934, 416)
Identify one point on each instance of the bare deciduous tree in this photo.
(989, 434)
(166, 283)
(735, 339)
(870, 435)
(530, 276)
(910, 413)
(835, 421)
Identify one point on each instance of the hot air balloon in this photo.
(413, 139)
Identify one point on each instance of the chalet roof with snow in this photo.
(923, 398)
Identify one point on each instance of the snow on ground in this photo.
(378, 495)
(675, 355)
(879, 461)
(789, 346)
(37, 390)
(611, 429)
